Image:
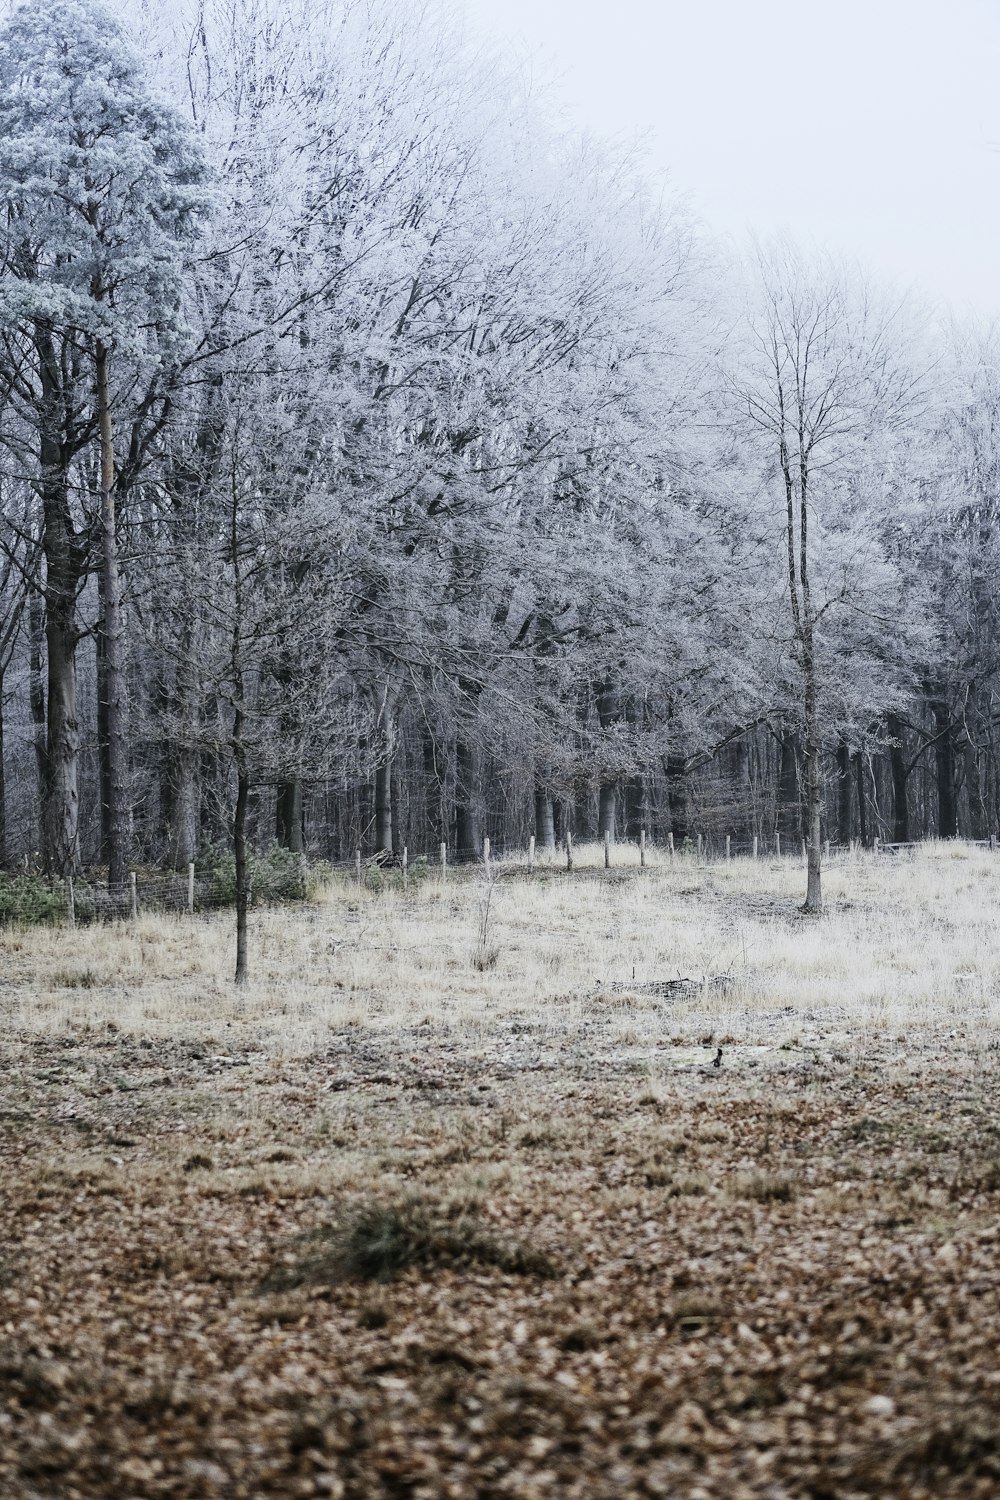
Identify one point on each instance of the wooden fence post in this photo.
(444, 864)
(133, 895)
(569, 850)
(642, 848)
(729, 846)
(531, 852)
(486, 855)
(607, 849)
(755, 841)
(191, 890)
(70, 902)
(670, 846)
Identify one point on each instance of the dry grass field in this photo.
(451, 1202)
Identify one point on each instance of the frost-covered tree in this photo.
(101, 185)
(826, 378)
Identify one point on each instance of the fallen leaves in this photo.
(780, 1287)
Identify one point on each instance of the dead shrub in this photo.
(378, 1242)
(765, 1187)
(695, 1310)
(580, 1337)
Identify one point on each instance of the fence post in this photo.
(70, 903)
(486, 855)
(729, 845)
(670, 846)
(755, 846)
(993, 843)
(607, 849)
(191, 889)
(357, 865)
(444, 863)
(133, 895)
(642, 848)
(569, 850)
(531, 852)
(405, 867)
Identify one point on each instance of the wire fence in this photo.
(290, 879)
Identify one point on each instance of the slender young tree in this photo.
(826, 375)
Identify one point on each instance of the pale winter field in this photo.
(450, 1201)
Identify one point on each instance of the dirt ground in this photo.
(548, 1250)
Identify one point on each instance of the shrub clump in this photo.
(378, 1242)
(30, 899)
(765, 1187)
(274, 877)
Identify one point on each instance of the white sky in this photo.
(871, 127)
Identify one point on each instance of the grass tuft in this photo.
(378, 1242)
(765, 1187)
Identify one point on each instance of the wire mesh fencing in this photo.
(283, 878)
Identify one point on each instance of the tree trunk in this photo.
(898, 772)
(636, 807)
(743, 819)
(944, 762)
(103, 760)
(288, 816)
(242, 872)
(978, 816)
(545, 820)
(385, 749)
(844, 795)
(185, 808)
(383, 807)
(607, 811)
(62, 798)
(113, 638)
(435, 820)
(607, 713)
(63, 569)
(180, 774)
(36, 702)
(399, 828)
(859, 773)
(468, 834)
(3, 789)
(677, 797)
(789, 811)
(814, 781)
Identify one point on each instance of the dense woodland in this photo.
(382, 465)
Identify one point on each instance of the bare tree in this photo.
(827, 373)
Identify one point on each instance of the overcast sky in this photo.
(869, 126)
